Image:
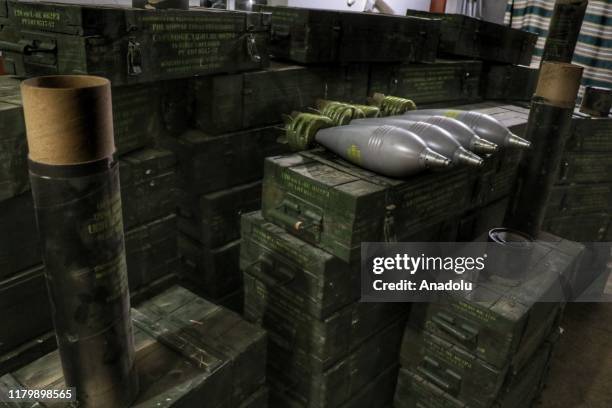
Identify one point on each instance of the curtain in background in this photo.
(594, 47)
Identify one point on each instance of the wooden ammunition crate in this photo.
(509, 82)
(129, 45)
(320, 36)
(151, 251)
(187, 351)
(499, 321)
(442, 81)
(228, 103)
(210, 163)
(214, 219)
(471, 37)
(284, 267)
(148, 185)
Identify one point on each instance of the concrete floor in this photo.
(581, 370)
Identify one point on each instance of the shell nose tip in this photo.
(517, 141)
(435, 160)
(466, 157)
(484, 146)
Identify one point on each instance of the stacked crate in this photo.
(150, 56)
(236, 123)
(300, 255)
(188, 350)
(580, 205)
(490, 347)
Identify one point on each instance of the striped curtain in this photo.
(594, 47)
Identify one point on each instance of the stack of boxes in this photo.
(491, 346)
(150, 56)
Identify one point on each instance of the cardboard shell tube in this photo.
(558, 83)
(68, 119)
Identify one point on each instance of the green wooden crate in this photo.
(465, 36)
(215, 271)
(442, 81)
(415, 388)
(336, 206)
(304, 379)
(579, 199)
(377, 394)
(151, 251)
(129, 45)
(590, 134)
(499, 321)
(509, 82)
(13, 151)
(187, 351)
(585, 168)
(589, 227)
(210, 163)
(20, 248)
(214, 219)
(229, 103)
(24, 308)
(148, 184)
(328, 340)
(321, 36)
(285, 267)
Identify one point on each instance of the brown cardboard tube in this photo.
(558, 83)
(69, 119)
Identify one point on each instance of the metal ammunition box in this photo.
(24, 308)
(327, 340)
(285, 267)
(316, 36)
(503, 323)
(211, 163)
(151, 251)
(305, 379)
(215, 271)
(579, 199)
(336, 206)
(509, 82)
(19, 244)
(590, 227)
(214, 219)
(590, 135)
(187, 351)
(585, 168)
(148, 184)
(129, 45)
(442, 81)
(465, 36)
(13, 151)
(229, 103)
